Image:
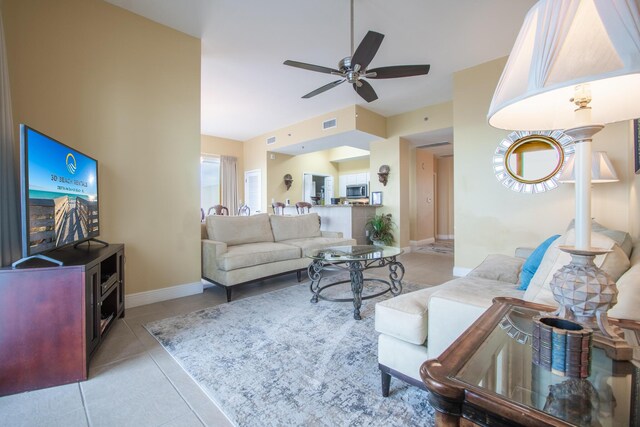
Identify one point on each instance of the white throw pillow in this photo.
(614, 263)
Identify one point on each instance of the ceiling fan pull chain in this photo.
(351, 28)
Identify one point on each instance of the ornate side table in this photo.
(487, 378)
(356, 260)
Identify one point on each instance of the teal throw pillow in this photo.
(532, 263)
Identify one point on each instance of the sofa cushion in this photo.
(476, 291)
(614, 263)
(295, 227)
(629, 289)
(250, 254)
(503, 268)
(622, 238)
(533, 261)
(405, 316)
(237, 230)
(310, 244)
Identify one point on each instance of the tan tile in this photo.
(131, 392)
(117, 347)
(189, 420)
(49, 406)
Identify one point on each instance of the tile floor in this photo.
(133, 381)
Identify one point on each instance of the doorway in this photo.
(317, 188)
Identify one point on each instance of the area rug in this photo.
(278, 360)
(439, 246)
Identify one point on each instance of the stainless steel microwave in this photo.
(357, 191)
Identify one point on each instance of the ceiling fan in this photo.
(353, 68)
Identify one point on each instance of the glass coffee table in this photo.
(356, 260)
(487, 378)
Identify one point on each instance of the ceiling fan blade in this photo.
(311, 67)
(367, 49)
(324, 88)
(365, 91)
(398, 71)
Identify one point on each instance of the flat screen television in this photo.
(59, 189)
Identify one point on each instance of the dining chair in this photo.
(278, 208)
(218, 210)
(301, 206)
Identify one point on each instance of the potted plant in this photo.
(379, 228)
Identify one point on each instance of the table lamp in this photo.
(602, 170)
(587, 53)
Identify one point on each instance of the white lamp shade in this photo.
(601, 169)
(561, 44)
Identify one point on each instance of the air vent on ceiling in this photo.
(271, 140)
(329, 124)
(433, 144)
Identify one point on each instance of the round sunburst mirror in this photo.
(531, 162)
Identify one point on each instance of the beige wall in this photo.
(226, 147)
(316, 163)
(126, 91)
(492, 219)
(345, 152)
(354, 166)
(399, 193)
(444, 199)
(395, 195)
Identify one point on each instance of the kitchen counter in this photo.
(350, 220)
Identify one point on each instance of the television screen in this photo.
(59, 194)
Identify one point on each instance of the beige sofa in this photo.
(242, 249)
(420, 325)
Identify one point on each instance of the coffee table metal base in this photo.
(357, 280)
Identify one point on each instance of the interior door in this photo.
(308, 188)
(253, 190)
(328, 190)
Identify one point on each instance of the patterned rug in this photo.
(276, 359)
(439, 246)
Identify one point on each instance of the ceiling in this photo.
(247, 91)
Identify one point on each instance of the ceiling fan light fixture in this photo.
(354, 68)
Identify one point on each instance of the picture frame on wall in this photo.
(636, 144)
(376, 197)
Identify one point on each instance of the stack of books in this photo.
(562, 346)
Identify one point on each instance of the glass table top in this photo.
(355, 253)
(610, 396)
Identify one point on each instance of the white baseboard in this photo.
(461, 271)
(445, 236)
(423, 242)
(157, 295)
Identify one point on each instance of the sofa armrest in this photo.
(210, 251)
(332, 234)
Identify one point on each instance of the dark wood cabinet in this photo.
(53, 319)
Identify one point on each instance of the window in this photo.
(209, 182)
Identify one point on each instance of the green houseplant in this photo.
(379, 228)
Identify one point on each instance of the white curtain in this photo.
(229, 183)
(9, 202)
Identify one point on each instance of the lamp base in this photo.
(585, 293)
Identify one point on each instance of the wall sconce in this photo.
(383, 174)
(288, 180)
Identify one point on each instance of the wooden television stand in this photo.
(53, 319)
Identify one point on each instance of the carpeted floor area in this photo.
(276, 359)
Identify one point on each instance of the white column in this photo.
(583, 194)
